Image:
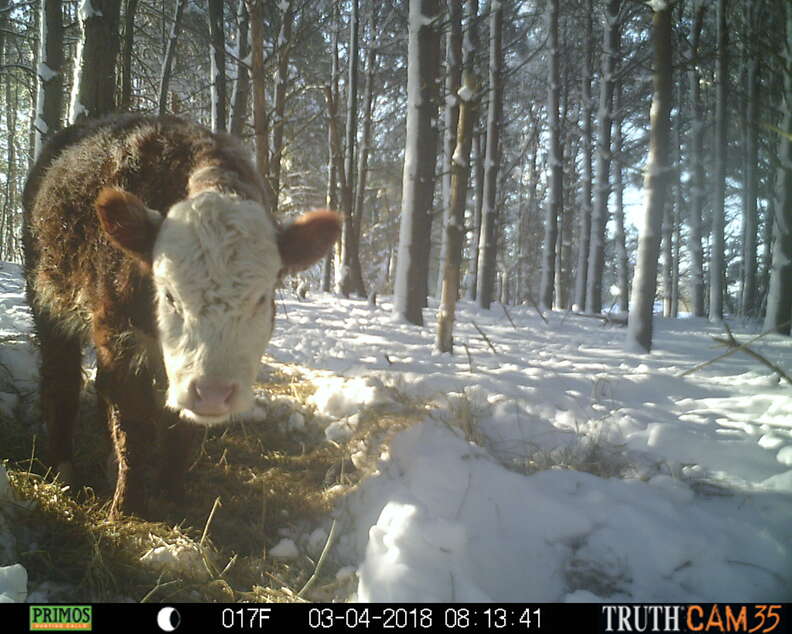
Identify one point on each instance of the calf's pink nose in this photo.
(211, 397)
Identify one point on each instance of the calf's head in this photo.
(215, 260)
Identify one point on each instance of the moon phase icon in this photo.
(168, 619)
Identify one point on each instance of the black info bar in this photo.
(563, 618)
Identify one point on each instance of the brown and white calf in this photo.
(150, 238)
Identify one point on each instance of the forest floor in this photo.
(541, 462)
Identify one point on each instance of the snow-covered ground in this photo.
(700, 510)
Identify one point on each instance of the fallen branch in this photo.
(731, 342)
(508, 316)
(608, 319)
(735, 346)
(536, 308)
(486, 338)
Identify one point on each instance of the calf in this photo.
(150, 238)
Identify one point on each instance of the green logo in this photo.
(60, 617)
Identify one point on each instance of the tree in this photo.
(779, 297)
(588, 176)
(656, 185)
(555, 186)
(167, 63)
(240, 94)
(459, 166)
(489, 212)
(420, 155)
(599, 214)
(717, 263)
(130, 9)
(94, 81)
(217, 55)
(49, 98)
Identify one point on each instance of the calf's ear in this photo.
(128, 223)
(308, 239)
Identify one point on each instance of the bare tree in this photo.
(94, 81)
(656, 185)
(599, 215)
(489, 213)
(217, 73)
(170, 52)
(556, 184)
(779, 297)
(240, 93)
(459, 159)
(420, 156)
(49, 98)
(717, 255)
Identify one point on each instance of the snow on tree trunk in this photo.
(779, 297)
(94, 80)
(657, 183)
(454, 229)
(420, 156)
(217, 67)
(240, 93)
(718, 248)
(599, 214)
(488, 237)
(167, 63)
(49, 98)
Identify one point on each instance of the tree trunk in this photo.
(283, 49)
(555, 186)
(779, 297)
(698, 186)
(584, 232)
(240, 94)
(258, 76)
(454, 226)
(217, 72)
(599, 215)
(94, 82)
(167, 63)
(125, 102)
(453, 79)
(49, 98)
(345, 285)
(717, 263)
(750, 212)
(620, 237)
(478, 171)
(334, 168)
(656, 185)
(420, 157)
(489, 217)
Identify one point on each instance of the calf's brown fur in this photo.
(84, 289)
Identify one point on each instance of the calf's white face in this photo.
(215, 264)
(215, 260)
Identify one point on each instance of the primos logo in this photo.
(60, 617)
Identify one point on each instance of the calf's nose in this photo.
(211, 397)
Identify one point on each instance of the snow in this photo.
(687, 501)
(87, 11)
(45, 72)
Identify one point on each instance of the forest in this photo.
(457, 404)
(577, 155)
